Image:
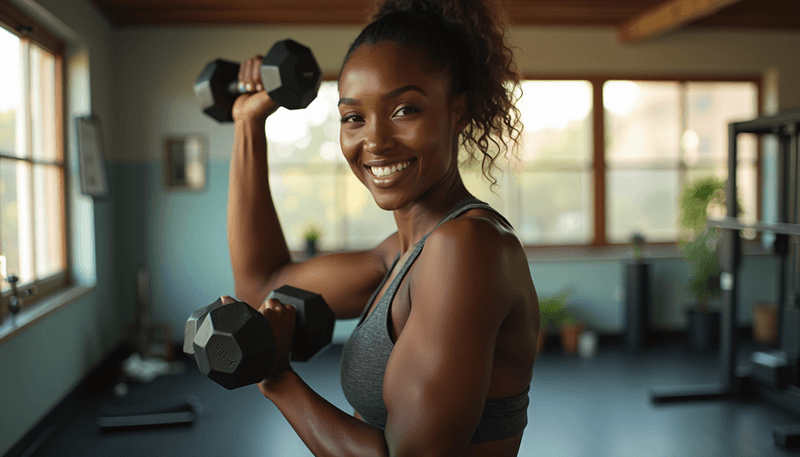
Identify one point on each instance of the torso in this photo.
(516, 341)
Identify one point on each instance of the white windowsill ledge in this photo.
(12, 327)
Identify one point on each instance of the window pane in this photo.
(367, 223)
(43, 105)
(746, 175)
(11, 115)
(642, 121)
(309, 135)
(642, 201)
(49, 220)
(304, 198)
(16, 242)
(556, 116)
(710, 106)
(556, 208)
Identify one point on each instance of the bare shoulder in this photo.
(476, 252)
(479, 231)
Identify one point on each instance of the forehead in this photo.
(386, 66)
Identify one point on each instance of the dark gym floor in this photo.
(579, 407)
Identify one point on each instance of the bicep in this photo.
(345, 280)
(438, 375)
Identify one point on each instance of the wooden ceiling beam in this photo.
(668, 16)
(200, 17)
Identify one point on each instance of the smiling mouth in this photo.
(384, 172)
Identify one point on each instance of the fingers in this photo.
(250, 75)
(227, 299)
(274, 304)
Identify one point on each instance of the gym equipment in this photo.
(234, 345)
(177, 412)
(289, 74)
(772, 376)
(193, 323)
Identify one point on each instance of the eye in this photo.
(406, 110)
(351, 118)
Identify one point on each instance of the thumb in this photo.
(227, 299)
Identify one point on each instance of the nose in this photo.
(378, 137)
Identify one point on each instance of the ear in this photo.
(459, 109)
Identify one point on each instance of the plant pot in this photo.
(311, 248)
(703, 329)
(569, 337)
(765, 323)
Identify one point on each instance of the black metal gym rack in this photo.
(773, 376)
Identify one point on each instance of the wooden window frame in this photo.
(600, 241)
(19, 24)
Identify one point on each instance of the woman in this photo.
(441, 361)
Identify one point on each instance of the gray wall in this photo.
(138, 80)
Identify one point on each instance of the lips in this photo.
(388, 170)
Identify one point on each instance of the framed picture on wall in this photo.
(185, 160)
(91, 159)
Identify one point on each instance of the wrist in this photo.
(251, 124)
(278, 384)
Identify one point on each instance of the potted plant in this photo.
(552, 310)
(570, 332)
(702, 198)
(311, 236)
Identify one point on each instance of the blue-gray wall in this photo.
(180, 237)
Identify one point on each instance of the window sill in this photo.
(537, 254)
(12, 327)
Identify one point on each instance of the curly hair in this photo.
(466, 38)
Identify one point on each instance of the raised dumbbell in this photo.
(289, 74)
(234, 345)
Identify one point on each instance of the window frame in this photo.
(599, 167)
(19, 24)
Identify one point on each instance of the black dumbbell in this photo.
(234, 346)
(289, 74)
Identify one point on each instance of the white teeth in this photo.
(386, 171)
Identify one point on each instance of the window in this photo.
(656, 137)
(660, 136)
(312, 184)
(32, 170)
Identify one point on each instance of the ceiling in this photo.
(618, 13)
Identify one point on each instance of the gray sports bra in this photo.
(366, 354)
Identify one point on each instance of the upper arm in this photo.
(345, 280)
(437, 377)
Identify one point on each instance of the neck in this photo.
(420, 217)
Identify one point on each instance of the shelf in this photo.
(737, 224)
(768, 124)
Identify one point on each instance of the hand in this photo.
(255, 103)
(282, 319)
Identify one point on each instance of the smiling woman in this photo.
(442, 357)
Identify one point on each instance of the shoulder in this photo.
(478, 232)
(472, 257)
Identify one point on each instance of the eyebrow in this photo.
(389, 95)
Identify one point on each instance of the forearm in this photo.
(324, 428)
(255, 238)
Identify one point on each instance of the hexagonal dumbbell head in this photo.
(234, 346)
(290, 74)
(315, 320)
(193, 324)
(212, 89)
